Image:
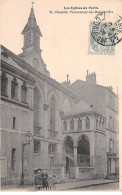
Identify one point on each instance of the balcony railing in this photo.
(84, 160)
(52, 134)
(38, 131)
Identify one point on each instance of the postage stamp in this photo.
(104, 35)
(96, 48)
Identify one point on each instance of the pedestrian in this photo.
(50, 180)
(44, 177)
(54, 182)
(37, 179)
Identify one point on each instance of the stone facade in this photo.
(56, 116)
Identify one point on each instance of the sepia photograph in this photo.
(61, 94)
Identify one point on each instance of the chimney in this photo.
(66, 84)
(91, 78)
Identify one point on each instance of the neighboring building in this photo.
(84, 142)
(105, 101)
(70, 137)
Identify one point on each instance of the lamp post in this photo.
(28, 138)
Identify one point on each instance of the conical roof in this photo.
(32, 20)
(32, 23)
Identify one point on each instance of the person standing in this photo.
(54, 182)
(37, 179)
(44, 177)
(50, 180)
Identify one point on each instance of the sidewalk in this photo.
(69, 185)
(81, 184)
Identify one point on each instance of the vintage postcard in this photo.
(61, 91)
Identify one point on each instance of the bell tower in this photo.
(31, 50)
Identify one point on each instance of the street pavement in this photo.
(104, 187)
(75, 185)
(81, 184)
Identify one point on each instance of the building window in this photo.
(79, 123)
(14, 89)
(52, 114)
(14, 122)
(65, 125)
(111, 123)
(52, 161)
(72, 124)
(24, 93)
(4, 84)
(87, 123)
(52, 154)
(36, 107)
(36, 146)
(52, 149)
(13, 159)
(111, 145)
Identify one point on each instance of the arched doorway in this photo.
(83, 151)
(68, 156)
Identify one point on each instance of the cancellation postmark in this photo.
(104, 35)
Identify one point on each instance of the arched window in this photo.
(14, 89)
(79, 123)
(65, 125)
(36, 107)
(4, 84)
(68, 153)
(72, 124)
(87, 123)
(13, 160)
(24, 93)
(52, 114)
(83, 151)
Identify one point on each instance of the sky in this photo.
(65, 40)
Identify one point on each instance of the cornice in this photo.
(16, 72)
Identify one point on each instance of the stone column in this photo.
(46, 110)
(68, 124)
(92, 123)
(75, 163)
(10, 78)
(19, 89)
(46, 160)
(83, 124)
(62, 173)
(30, 97)
(75, 156)
(75, 124)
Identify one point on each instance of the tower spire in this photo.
(31, 50)
(32, 4)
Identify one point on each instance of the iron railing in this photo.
(84, 160)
